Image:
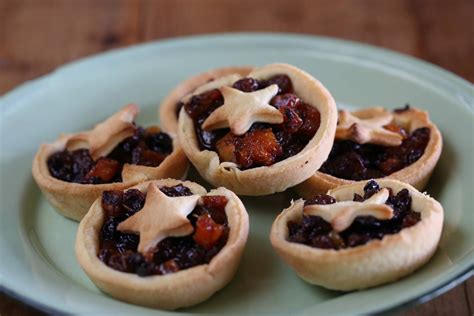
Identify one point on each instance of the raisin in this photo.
(357, 239)
(208, 139)
(177, 190)
(215, 205)
(308, 229)
(322, 241)
(146, 157)
(105, 254)
(403, 109)
(311, 120)
(82, 163)
(349, 165)
(133, 200)
(169, 266)
(119, 261)
(60, 166)
(109, 228)
(292, 122)
(411, 219)
(246, 85)
(322, 199)
(286, 100)
(357, 198)
(160, 143)
(112, 202)
(126, 241)
(283, 82)
(204, 103)
(370, 189)
(123, 151)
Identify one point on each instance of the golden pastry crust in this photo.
(371, 264)
(175, 290)
(416, 174)
(167, 108)
(73, 200)
(285, 173)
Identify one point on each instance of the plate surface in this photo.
(36, 244)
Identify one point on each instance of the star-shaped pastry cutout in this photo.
(367, 126)
(105, 136)
(161, 216)
(240, 110)
(341, 214)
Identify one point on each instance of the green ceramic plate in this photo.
(36, 244)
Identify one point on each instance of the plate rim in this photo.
(422, 298)
(384, 57)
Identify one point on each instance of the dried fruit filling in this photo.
(119, 250)
(264, 144)
(352, 161)
(147, 147)
(316, 232)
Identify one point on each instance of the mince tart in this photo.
(359, 235)
(74, 170)
(260, 132)
(163, 243)
(377, 143)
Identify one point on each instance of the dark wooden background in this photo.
(37, 36)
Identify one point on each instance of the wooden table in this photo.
(38, 35)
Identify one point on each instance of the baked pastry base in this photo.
(416, 174)
(175, 290)
(283, 174)
(73, 200)
(371, 264)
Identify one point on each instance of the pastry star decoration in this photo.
(161, 216)
(341, 214)
(367, 126)
(240, 110)
(105, 136)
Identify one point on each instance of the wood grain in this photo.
(36, 36)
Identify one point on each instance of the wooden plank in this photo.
(438, 31)
(365, 21)
(469, 288)
(38, 36)
(446, 34)
(10, 306)
(453, 302)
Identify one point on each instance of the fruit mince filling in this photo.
(147, 147)
(119, 250)
(352, 161)
(264, 144)
(316, 232)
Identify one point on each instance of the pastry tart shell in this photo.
(171, 291)
(73, 200)
(283, 174)
(374, 263)
(417, 174)
(167, 109)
